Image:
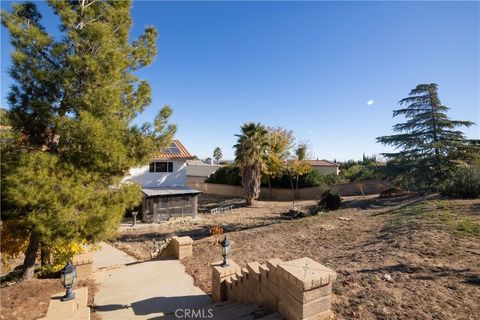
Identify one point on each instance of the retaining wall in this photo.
(297, 289)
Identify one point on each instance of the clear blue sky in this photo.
(310, 67)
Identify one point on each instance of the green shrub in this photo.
(330, 200)
(360, 172)
(226, 175)
(464, 182)
(391, 193)
(231, 175)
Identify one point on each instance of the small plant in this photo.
(216, 231)
(330, 200)
(391, 193)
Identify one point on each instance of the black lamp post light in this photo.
(225, 246)
(68, 276)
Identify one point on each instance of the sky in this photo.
(332, 72)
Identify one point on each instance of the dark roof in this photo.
(175, 151)
(169, 191)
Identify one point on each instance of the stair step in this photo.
(231, 305)
(245, 312)
(273, 316)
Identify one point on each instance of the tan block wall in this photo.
(179, 247)
(313, 193)
(274, 284)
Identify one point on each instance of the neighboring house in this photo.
(163, 183)
(325, 166)
(198, 170)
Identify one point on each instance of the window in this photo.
(160, 166)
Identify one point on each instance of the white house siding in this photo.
(327, 170)
(201, 171)
(159, 179)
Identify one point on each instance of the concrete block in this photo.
(82, 314)
(71, 309)
(220, 272)
(272, 265)
(306, 273)
(183, 240)
(297, 310)
(303, 296)
(327, 315)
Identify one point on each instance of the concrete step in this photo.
(243, 312)
(273, 316)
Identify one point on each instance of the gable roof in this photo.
(176, 150)
(322, 163)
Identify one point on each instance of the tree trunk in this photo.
(293, 191)
(44, 256)
(296, 188)
(269, 188)
(30, 257)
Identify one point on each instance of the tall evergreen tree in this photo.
(427, 141)
(250, 156)
(72, 103)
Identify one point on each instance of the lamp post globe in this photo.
(68, 275)
(225, 246)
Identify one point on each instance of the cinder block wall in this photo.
(297, 289)
(178, 247)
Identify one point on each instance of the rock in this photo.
(387, 277)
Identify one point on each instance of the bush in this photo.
(226, 175)
(464, 182)
(391, 193)
(330, 200)
(360, 172)
(231, 175)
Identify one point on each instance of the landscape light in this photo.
(225, 246)
(68, 275)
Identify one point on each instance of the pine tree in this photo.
(427, 141)
(71, 106)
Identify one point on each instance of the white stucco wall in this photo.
(159, 179)
(327, 170)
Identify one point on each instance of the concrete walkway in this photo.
(127, 289)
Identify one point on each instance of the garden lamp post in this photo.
(225, 246)
(68, 275)
(134, 215)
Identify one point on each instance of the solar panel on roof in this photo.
(173, 149)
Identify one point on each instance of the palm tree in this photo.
(250, 156)
(217, 154)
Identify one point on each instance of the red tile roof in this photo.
(322, 163)
(175, 151)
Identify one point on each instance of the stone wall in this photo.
(297, 289)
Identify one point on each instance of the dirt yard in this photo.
(429, 247)
(29, 300)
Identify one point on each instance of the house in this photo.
(325, 166)
(163, 182)
(198, 170)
